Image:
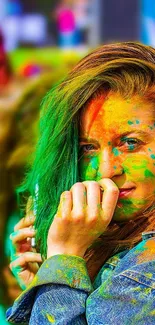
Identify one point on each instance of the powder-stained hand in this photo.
(24, 259)
(83, 215)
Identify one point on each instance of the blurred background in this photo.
(39, 42)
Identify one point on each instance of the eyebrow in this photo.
(146, 134)
(135, 131)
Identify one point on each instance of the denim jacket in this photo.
(123, 292)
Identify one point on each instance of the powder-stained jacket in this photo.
(123, 292)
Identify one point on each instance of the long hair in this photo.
(127, 68)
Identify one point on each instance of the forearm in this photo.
(59, 304)
(61, 283)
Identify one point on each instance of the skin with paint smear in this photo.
(117, 141)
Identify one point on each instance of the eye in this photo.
(86, 148)
(131, 143)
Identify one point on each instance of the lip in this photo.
(125, 192)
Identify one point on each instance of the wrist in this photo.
(51, 251)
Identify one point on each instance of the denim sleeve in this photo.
(57, 294)
(128, 296)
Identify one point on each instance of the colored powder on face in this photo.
(132, 147)
(88, 168)
(152, 156)
(130, 122)
(131, 206)
(142, 165)
(95, 107)
(148, 173)
(116, 152)
(128, 207)
(132, 164)
(137, 122)
(150, 127)
(94, 163)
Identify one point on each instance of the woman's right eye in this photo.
(87, 147)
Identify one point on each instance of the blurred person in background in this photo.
(66, 25)
(82, 10)
(92, 186)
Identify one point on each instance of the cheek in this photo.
(139, 167)
(88, 168)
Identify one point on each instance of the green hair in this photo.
(125, 67)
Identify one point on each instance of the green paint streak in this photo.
(152, 156)
(148, 173)
(137, 122)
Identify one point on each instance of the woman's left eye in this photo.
(132, 143)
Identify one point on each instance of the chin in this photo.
(121, 215)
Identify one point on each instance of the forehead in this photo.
(113, 113)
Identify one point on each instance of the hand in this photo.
(24, 258)
(83, 215)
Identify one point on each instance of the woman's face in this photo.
(117, 141)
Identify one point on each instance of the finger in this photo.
(29, 205)
(22, 234)
(65, 205)
(93, 199)
(93, 193)
(25, 222)
(29, 219)
(79, 199)
(109, 197)
(22, 260)
(13, 251)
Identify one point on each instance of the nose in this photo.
(110, 164)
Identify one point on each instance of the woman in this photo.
(93, 184)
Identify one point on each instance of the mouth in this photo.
(123, 192)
